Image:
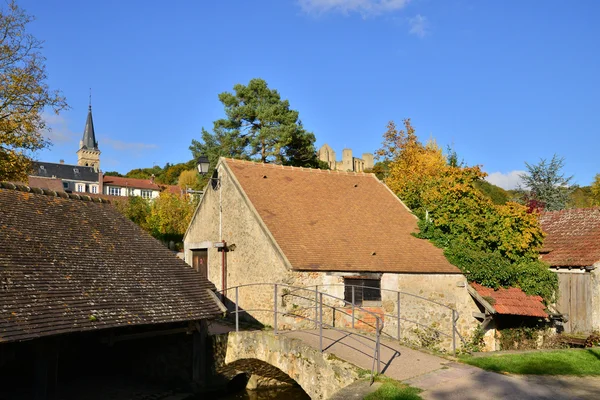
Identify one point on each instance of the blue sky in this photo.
(503, 82)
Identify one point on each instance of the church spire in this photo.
(89, 137)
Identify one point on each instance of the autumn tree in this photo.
(24, 94)
(260, 126)
(596, 190)
(545, 185)
(169, 216)
(495, 245)
(189, 180)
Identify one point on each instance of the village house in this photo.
(305, 227)
(87, 295)
(145, 188)
(572, 248)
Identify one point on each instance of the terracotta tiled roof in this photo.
(71, 263)
(337, 221)
(138, 184)
(573, 237)
(512, 301)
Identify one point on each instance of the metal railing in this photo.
(292, 291)
(396, 295)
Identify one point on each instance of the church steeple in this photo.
(89, 136)
(88, 153)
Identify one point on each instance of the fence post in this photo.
(378, 347)
(321, 322)
(398, 320)
(453, 332)
(275, 313)
(316, 306)
(237, 310)
(352, 306)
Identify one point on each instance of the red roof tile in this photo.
(46, 183)
(139, 184)
(513, 301)
(573, 237)
(337, 221)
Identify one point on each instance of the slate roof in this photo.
(64, 171)
(89, 136)
(336, 221)
(512, 301)
(138, 184)
(70, 263)
(572, 237)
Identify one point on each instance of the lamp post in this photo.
(203, 165)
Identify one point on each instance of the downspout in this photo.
(224, 268)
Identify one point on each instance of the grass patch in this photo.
(394, 390)
(578, 362)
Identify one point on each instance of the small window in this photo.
(80, 187)
(66, 185)
(367, 292)
(114, 191)
(94, 189)
(130, 192)
(147, 194)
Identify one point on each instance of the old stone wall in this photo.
(319, 374)
(595, 297)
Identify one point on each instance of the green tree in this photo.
(169, 216)
(545, 185)
(24, 94)
(260, 126)
(189, 179)
(113, 173)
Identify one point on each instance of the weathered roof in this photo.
(72, 263)
(572, 237)
(337, 221)
(512, 301)
(89, 136)
(135, 183)
(64, 171)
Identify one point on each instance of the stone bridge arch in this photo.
(284, 358)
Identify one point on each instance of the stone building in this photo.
(89, 154)
(348, 163)
(306, 227)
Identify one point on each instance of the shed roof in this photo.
(72, 263)
(512, 301)
(572, 237)
(337, 221)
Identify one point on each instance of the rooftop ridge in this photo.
(292, 168)
(572, 210)
(52, 193)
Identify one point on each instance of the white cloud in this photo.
(131, 147)
(419, 26)
(510, 180)
(363, 7)
(57, 129)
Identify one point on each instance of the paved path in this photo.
(442, 379)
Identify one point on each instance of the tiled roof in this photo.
(138, 184)
(337, 221)
(512, 301)
(65, 171)
(46, 183)
(71, 263)
(572, 237)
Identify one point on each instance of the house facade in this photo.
(145, 188)
(572, 248)
(74, 178)
(305, 227)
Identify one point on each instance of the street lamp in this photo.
(203, 165)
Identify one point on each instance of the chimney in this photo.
(152, 178)
(62, 161)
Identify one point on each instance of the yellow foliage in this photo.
(188, 179)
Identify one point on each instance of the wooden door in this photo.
(200, 261)
(575, 300)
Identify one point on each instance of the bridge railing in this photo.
(319, 299)
(396, 296)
